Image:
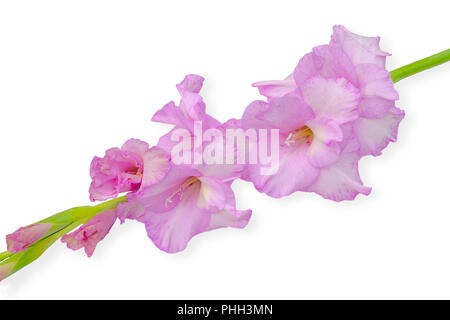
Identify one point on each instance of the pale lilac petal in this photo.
(374, 107)
(308, 67)
(212, 194)
(287, 113)
(360, 49)
(376, 81)
(324, 149)
(335, 99)
(224, 219)
(251, 119)
(171, 114)
(375, 134)
(91, 233)
(276, 88)
(322, 154)
(156, 166)
(230, 216)
(295, 173)
(171, 231)
(191, 83)
(135, 146)
(22, 238)
(325, 61)
(341, 180)
(192, 104)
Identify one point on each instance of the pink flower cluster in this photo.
(337, 106)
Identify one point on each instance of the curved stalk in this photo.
(419, 66)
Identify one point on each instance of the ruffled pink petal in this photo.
(120, 170)
(335, 99)
(22, 238)
(295, 173)
(276, 88)
(91, 233)
(327, 62)
(324, 149)
(341, 180)
(360, 49)
(375, 134)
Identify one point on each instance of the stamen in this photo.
(186, 184)
(304, 134)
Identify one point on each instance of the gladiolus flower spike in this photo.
(337, 106)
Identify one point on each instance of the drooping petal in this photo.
(171, 231)
(91, 233)
(375, 134)
(335, 99)
(276, 88)
(26, 236)
(341, 180)
(360, 49)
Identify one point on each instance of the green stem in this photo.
(419, 66)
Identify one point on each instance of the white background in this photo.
(78, 77)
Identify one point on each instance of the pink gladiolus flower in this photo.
(127, 169)
(317, 151)
(26, 236)
(361, 62)
(183, 204)
(91, 233)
